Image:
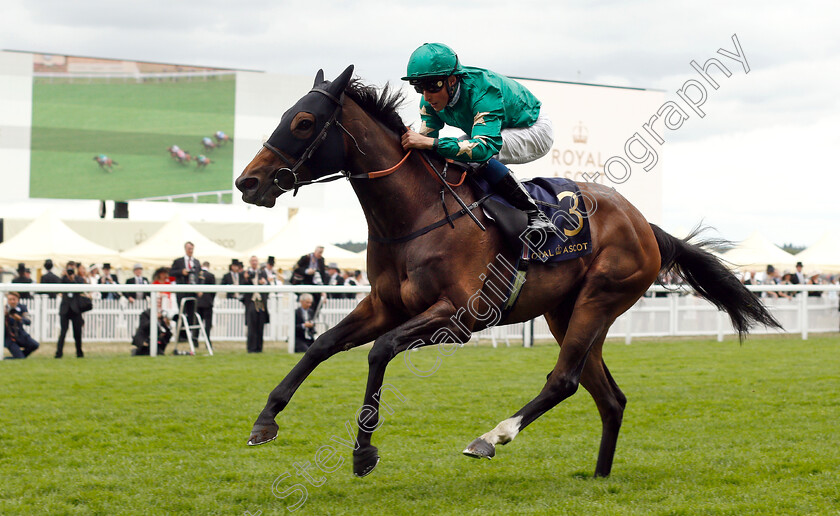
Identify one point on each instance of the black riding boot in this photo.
(516, 194)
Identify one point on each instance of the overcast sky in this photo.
(764, 158)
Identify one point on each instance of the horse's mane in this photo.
(382, 105)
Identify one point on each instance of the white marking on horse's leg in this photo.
(504, 431)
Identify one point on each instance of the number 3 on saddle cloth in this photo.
(561, 201)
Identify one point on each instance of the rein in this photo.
(291, 168)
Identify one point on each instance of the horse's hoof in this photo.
(262, 434)
(364, 460)
(480, 449)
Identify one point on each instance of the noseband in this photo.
(290, 170)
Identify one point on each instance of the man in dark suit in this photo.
(233, 277)
(349, 281)
(256, 312)
(50, 277)
(19, 343)
(106, 278)
(304, 326)
(24, 276)
(206, 299)
(334, 277)
(310, 270)
(799, 277)
(68, 311)
(308, 266)
(185, 270)
(137, 279)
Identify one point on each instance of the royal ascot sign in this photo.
(576, 161)
(591, 123)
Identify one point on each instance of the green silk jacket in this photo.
(486, 103)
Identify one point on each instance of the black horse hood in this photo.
(322, 102)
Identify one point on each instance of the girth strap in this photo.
(430, 227)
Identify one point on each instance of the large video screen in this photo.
(123, 130)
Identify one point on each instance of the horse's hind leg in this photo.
(597, 380)
(587, 326)
(610, 401)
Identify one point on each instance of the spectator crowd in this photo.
(194, 309)
(772, 276)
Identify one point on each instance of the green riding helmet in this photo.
(432, 60)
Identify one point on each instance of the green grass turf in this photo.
(133, 124)
(710, 428)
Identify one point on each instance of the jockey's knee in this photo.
(494, 171)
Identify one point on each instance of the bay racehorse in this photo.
(221, 138)
(180, 155)
(105, 163)
(208, 143)
(435, 288)
(201, 161)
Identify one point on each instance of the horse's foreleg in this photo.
(587, 326)
(366, 322)
(435, 325)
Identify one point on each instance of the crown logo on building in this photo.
(579, 133)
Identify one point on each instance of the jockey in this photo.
(207, 141)
(500, 117)
(221, 135)
(175, 149)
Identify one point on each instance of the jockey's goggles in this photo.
(430, 85)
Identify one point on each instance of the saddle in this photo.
(561, 201)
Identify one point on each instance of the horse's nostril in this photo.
(247, 183)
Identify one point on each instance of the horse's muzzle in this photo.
(256, 191)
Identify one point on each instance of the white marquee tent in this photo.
(757, 252)
(49, 237)
(823, 255)
(299, 237)
(163, 247)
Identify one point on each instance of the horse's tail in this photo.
(712, 280)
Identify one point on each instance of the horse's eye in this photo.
(304, 125)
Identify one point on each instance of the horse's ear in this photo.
(340, 82)
(319, 77)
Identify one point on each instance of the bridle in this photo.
(290, 170)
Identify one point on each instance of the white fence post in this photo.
(3, 324)
(672, 313)
(803, 314)
(153, 327)
(290, 317)
(528, 334)
(628, 337)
